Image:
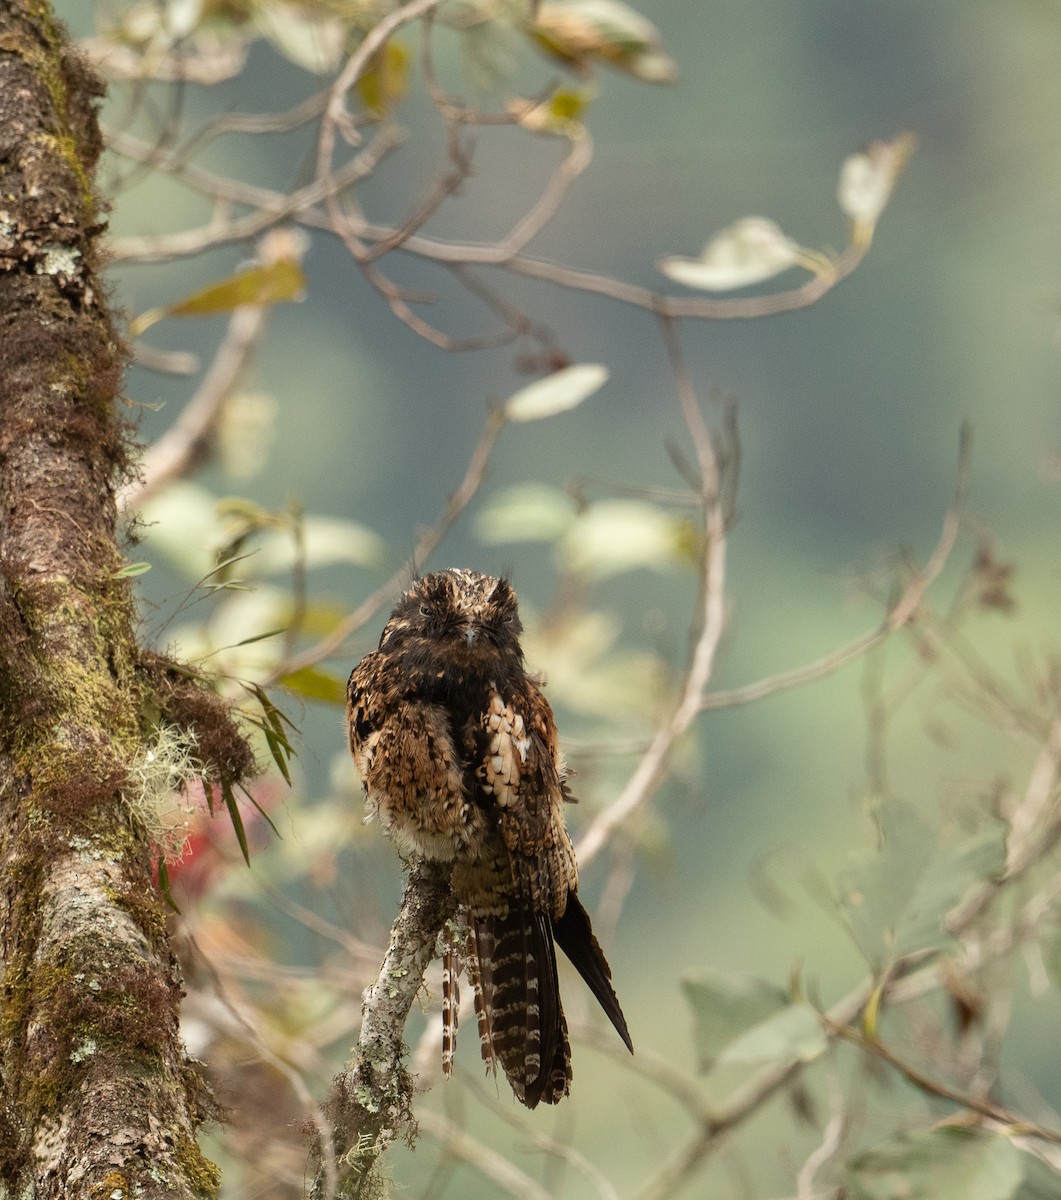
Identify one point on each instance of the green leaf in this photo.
(725, 1005)
(260, 637)
(132, 569)
(315, 684)
(938, 1164)
(261, 811)
(556, 393)
(749, 251)
(793, 1034)
(278, 753)
(896, 900)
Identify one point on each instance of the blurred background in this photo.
(849, 416)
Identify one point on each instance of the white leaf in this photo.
(868, 177)
(556, 393)
(746, 252)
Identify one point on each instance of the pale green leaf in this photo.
(793, 1034)
(725, 1005)
(937, 1164)
(325, 541)
(310, 40)
(132, 569)
(623, 535)
(556, 393)
(583, 32)
(749, 251)
(528, 512)
(181, 523)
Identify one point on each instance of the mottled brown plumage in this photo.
(457, 750)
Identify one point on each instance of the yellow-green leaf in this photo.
(315, 684)
(386, 79)
(271, 283)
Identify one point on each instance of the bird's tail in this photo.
(512, 965)
(574, 936)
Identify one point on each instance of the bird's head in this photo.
(457, 619)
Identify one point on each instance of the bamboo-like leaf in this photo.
(164, 885)
(259, 637)
(237, 820)
(132, 569)
(261, 811)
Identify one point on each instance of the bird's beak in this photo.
(470, 634)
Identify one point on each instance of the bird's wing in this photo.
(521, 770)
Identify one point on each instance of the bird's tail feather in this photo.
(574, 936)
(512, 965)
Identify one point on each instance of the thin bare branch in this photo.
(710, 619)
(898, 615)
(500, 1171)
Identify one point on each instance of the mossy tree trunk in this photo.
(96, 1096)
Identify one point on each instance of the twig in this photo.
(936, 1087)
(898, 615)
(186, 441)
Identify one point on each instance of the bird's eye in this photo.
(425, 610)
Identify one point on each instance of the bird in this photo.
(457, 749)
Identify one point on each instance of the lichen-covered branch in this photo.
(371, 1100)
(96, 1095)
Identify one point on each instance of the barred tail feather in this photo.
(450, 1008)
(512, 965)
(574, 936)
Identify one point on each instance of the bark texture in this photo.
(96, 1096)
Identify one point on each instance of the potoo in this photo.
(457, 750)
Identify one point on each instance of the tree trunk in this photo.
(96, 1095)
